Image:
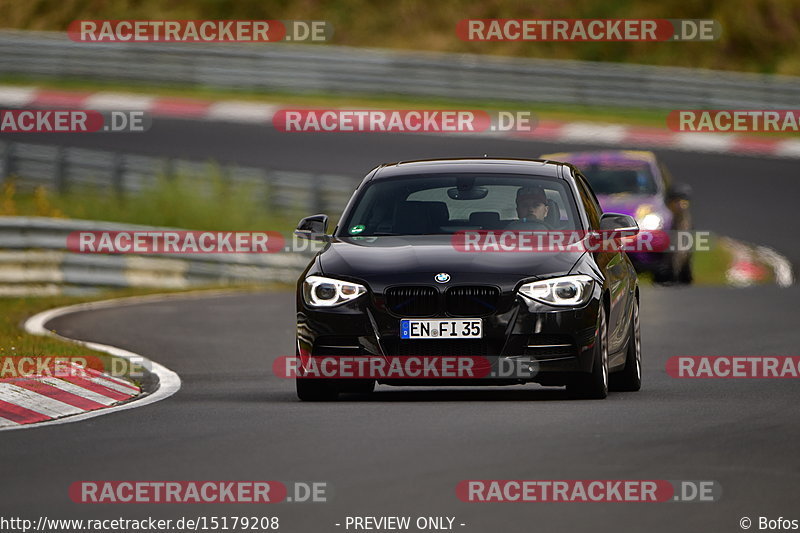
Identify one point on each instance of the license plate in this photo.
(463, 328)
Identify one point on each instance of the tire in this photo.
(315, 390)
(685, 273)
(594, 386)
(665, 272)
(630, 378)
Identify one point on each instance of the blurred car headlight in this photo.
(319, 291)
(647, 219)
(567, 290)
(651, 221)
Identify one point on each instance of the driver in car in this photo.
(532, 208)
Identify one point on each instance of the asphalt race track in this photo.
(401, 451)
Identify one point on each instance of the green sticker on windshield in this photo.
(357, 229)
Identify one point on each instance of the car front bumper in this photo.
(554, 342)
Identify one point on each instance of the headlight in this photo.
(319, 291)
(647, 219)
(651, 221)
(566, 290)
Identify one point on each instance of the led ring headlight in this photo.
(564, 291)
(319, 291)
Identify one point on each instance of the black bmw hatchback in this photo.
(434, 259)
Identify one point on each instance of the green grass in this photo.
(206, 202)
(709, 267)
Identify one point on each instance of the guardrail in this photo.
(339, 69)
(279, 191)
(34, 260)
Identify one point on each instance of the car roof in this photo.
(469, 165)
(610, 155)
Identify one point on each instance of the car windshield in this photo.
(620, 178)
(445, 204)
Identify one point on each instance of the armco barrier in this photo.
(62, 168)
(34, 260)
(339, 69)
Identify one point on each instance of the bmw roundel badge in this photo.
(442, 277)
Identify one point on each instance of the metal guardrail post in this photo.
(317, 202)
(118, 175)
(8, 162)
(272, 197)
(59, 170)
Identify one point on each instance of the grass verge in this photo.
(205, 202)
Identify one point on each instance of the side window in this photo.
(589, 200)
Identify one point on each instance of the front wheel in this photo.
(685, 274)
(664, 272)
(630, 378)
(595, 385)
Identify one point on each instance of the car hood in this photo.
(418, 258)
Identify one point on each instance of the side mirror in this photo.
(679, 191)
(618, 225)
(313, 228)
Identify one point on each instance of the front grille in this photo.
(471, 301)
(440, 348)
(412, 301)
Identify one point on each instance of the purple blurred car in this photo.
(635, 183)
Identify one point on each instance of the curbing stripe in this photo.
(234, 111)
(56, 98)
(97, 374)
(74, 389)
(17, 96)
(251, 112)
(118, 101)
(75, 399)
(19, 415)
(6, 421)
(99, 388)
(169, 381)
(36, 402)
(122, 389)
